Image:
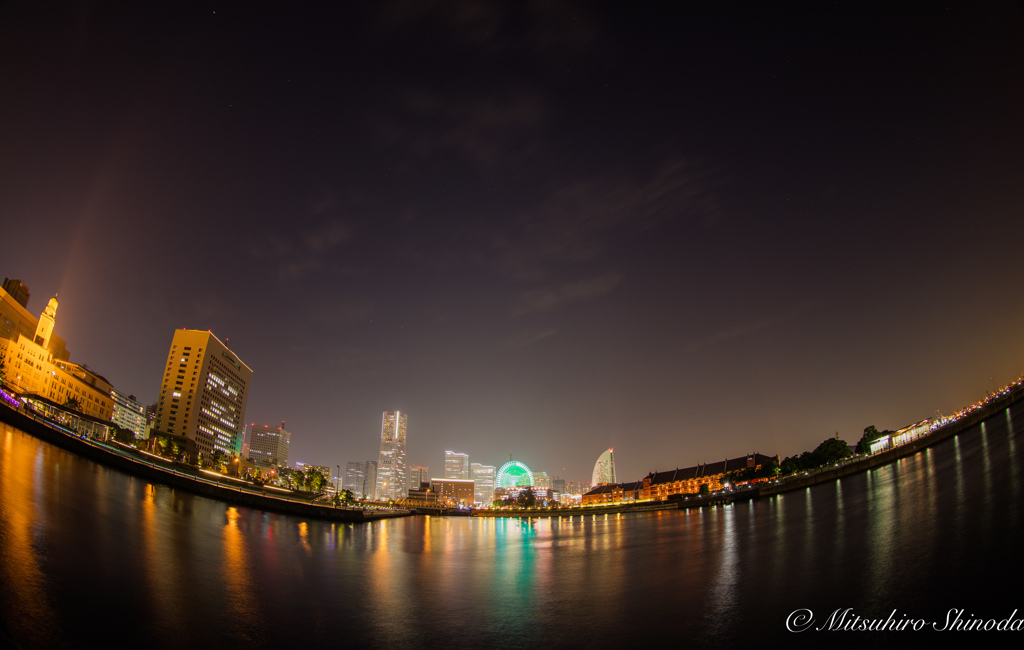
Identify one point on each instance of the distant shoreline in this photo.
(802, 480)
(181, 476)
(186, 477)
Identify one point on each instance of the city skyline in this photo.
(686, 233)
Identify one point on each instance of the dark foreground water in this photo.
(90, 555)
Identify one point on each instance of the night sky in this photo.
(545, 228)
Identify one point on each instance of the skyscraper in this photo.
(370, 479)
(604, 469)
(355, 475)
(417, 476)
(456, 465)
(392, 481)
(483, 482)
(203, 394)
(268, 446)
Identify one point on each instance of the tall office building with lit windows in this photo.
(392, 481)
(128, 414)
(483, 482)
(268, 446)
(203, 393)
(418, 475)
(456, 465)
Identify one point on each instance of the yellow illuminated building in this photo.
(203, 393)
(36, 361)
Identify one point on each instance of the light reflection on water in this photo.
(88, 553)
(21, 534)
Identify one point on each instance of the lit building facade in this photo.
(268, 446)
(658, 486)
(355, 473)
(483, 482)
(558, 485)
(604, 468)
(203, 393)
(392, 481)
(323, 471)
(453, 491)
(16, 319)
(36, 360)
(361, 478)
(456, 465)
(128, 414)
(417, 476)
(370, 480)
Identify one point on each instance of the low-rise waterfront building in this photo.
(658, 486)
(37, 363)
(453, 491)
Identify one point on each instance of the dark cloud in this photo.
(327, 235)
(577, 222)
(562, 27)
(489, 130)
(309, 250)
(497, 28)
(461, 23)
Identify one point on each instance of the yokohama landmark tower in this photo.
(391, 476)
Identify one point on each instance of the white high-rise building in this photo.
(355, 477)
(604, 469)
(268, 446)
(417, 476)
(483, 482)
(392, 480)
(456, 465)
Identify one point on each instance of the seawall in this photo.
(183, 477)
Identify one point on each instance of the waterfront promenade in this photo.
(187, 477)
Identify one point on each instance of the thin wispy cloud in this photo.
(550, 297)
(578, 222)
(743, 330)
(491, 129)
(529, 337)
(307, 247)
